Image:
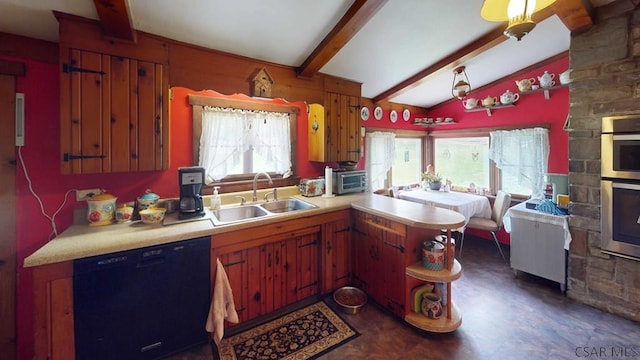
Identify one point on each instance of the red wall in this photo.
(530, 109)
(41, 155)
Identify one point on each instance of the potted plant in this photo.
(433, 178)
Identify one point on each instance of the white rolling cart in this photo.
(539, 242)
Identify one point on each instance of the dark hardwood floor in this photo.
(503, 317)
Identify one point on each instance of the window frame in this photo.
(242, 182)
(404, 134)
(494, 172)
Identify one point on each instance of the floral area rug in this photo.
(303, 334)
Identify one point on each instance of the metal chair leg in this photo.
(499, 248)
(461, 243)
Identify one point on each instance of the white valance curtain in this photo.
(380, 151)
(523, 153)
(227, 134)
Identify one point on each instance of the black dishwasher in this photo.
(144, 303)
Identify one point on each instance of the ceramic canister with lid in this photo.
(101, 209)
(147, 200)
(433, 255)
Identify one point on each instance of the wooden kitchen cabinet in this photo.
(337, 136)
(337, 252)
(380, 264)
(113, 113)
(269, 272)
(53, 316)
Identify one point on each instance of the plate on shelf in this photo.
(406, 114)
(364, 113)
(393, 115)
(377, 113)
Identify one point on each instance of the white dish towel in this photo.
(222, 306)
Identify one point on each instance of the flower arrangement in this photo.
(430, 175)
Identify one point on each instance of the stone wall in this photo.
(605, 80)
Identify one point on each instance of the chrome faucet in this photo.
(274, 193)
(255, 184)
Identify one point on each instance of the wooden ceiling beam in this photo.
(115, 19)
(353, 20)
(576, 15)
(448, 63)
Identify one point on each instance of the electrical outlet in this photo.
(86, 194)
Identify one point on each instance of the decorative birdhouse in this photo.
(261, 84)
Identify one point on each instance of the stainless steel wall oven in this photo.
(620, 186)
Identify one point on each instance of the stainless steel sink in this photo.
(286, 205)
(235, 214)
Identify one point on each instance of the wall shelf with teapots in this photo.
(546, 91)
(490, 103)
(489, 109)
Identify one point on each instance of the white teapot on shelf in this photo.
(546, 79)
(509, 98)
(469, 103)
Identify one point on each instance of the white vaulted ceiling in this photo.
(401, 39)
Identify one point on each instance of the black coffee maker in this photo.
(191, 180)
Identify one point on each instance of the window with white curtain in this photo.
(522, 154)
(464, 157)
(236, 141)
(380, 154)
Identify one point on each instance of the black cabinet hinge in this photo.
(68, 157)
(348, 228)
(68, 68)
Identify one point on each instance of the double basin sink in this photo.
(235, 214)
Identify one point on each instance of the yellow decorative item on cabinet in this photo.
(316, 132)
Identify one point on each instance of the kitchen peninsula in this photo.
(351, 220)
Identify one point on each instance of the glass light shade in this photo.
(460, 86)
(503, 10)
(461, 89)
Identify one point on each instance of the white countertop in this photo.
(520, 211)
(82, 240)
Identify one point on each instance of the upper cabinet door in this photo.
(335, 135)
(114, 117)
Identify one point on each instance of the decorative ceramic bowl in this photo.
(350, 299)
(152, 215)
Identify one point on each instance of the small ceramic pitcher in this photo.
(431, 305)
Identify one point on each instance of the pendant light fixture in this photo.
(460, 86)
(517, 12)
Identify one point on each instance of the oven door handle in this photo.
(619, 185)
(623, 137)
